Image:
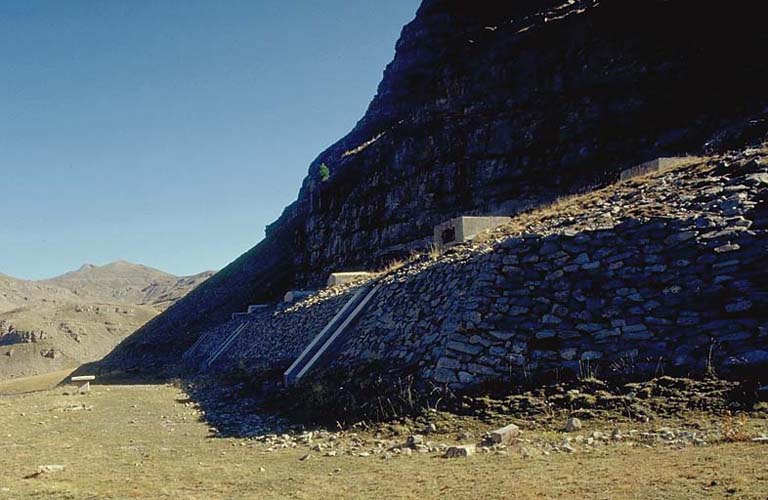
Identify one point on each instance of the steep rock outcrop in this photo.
(493, 107)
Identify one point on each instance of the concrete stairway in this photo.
(331, 334)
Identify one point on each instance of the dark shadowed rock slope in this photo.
(492, 107)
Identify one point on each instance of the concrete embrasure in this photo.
(463, 229)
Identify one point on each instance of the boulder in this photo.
(465, 450)
(573, 424)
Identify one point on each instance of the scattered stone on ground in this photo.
(573, 424)
(465, 450)
(505, 435)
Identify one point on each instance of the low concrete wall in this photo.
(657, 165)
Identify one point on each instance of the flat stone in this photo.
(759, 178)
(606, 333)
(733, 337)
(545, 334)
(446, 362)
(465, 348)
(501, 335)
(467, 378)
(444, 376)
(517, 310)
(738, 306)
(550, 319)
(589, 327)
(680, 237)
(730, 247)
(480, 369)
(582, 258)
(640, 335)
(591, 355)
(568, 353)
(634, 328)
(727, 263)
(757, 357)
(497, 351)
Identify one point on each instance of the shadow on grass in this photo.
(236, 406)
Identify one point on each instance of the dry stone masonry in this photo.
(662, 274)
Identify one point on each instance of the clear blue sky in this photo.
(169, 133)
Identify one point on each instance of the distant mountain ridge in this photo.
(126, 282)
(82, 314)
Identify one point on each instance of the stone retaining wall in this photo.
(663, 275)
(273, 338)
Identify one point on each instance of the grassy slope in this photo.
(141, 441)
(35, 383)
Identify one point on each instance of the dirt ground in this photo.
(150, 441)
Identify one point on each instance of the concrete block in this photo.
(505, 435)
(461, 229)
(346, 277)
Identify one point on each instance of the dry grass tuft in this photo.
(391, 266)
(434, 252)
(734, 427)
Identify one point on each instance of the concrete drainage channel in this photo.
(219, 350)
(330, 335)
(225, 345)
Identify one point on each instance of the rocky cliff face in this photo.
(493, 107)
